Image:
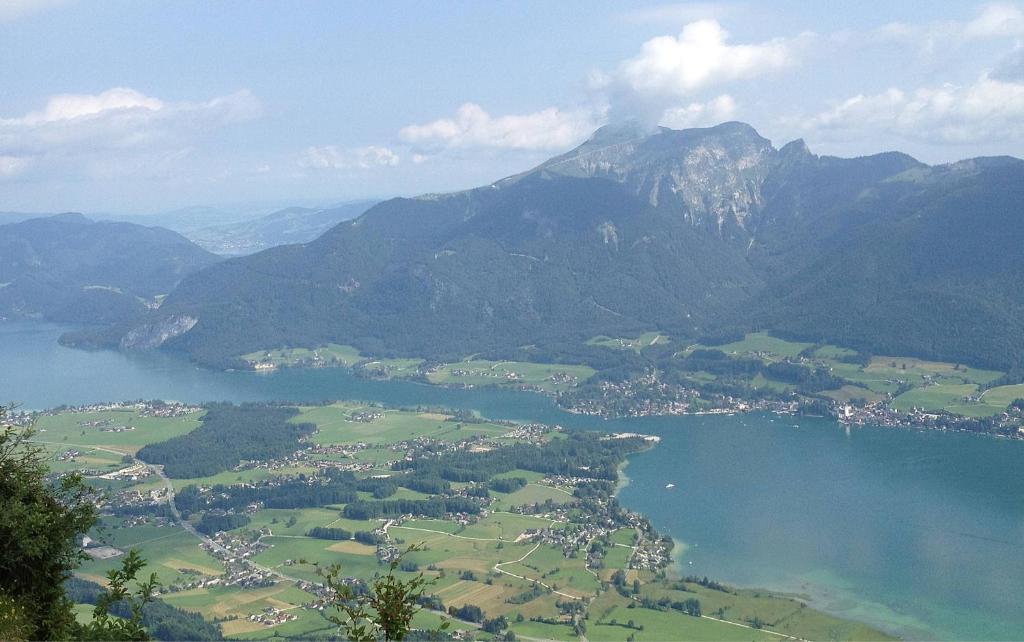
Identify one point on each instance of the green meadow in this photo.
(332, 354)
(551, 377)
(67, 428)
(636, 344)
(345, 423)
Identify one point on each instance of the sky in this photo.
(138, 106)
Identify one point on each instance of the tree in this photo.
(40, 522)
(105, 627)
(495, 625)
(385, 609)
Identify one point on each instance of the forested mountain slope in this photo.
(69, 268)
(689, 232)
(932, 264)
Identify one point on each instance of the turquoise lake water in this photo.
(921, 533)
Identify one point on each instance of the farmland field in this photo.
(763, 343)
(547, 376)
(637, 344)
(348, 423)
(122, 430)
(934, 397)
(332, 354)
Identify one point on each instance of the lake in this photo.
(920, 533)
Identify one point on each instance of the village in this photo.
(647, 396)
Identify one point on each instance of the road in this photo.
(169, 485)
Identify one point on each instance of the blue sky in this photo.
(139, 106)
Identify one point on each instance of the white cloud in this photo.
(699, 114)
(996, 21)
(331, 157)
(986, 110)
(671, 68)
(70, 106)
(116, 128)
(473, 127)
(992, 21)
(11, 10)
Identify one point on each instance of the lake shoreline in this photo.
(739, 474)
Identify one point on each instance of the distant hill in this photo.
(287, 226)
(70, 268)
(692, 232)
(17, 217)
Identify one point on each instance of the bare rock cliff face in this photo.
(712, 177)
(153, 335)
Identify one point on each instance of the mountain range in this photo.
(283, 227)
(696, 232)
(70, 268)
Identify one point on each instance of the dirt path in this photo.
(498, 568)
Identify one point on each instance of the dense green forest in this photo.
(229, 434)
(211, 523)
(287, 494)
(578, 455)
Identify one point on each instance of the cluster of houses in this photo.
(532, 433)
(167, 410)
(365, 416)
(69, 455)
(563, 378)
(132, 498)
(647, 396)
(145, 520)
(508, 375)
(134, 472)
(195, 581)
(271, 616)
(161, 409)
(19, 419)
(1009, 423)
(651, 555)
(235, 548)
(648, 553)
(105, 425)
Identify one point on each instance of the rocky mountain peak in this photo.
(795, 149)
(711, 176)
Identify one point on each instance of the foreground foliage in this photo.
(40, 523)
(385, 608)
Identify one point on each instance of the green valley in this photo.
(517, 525)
